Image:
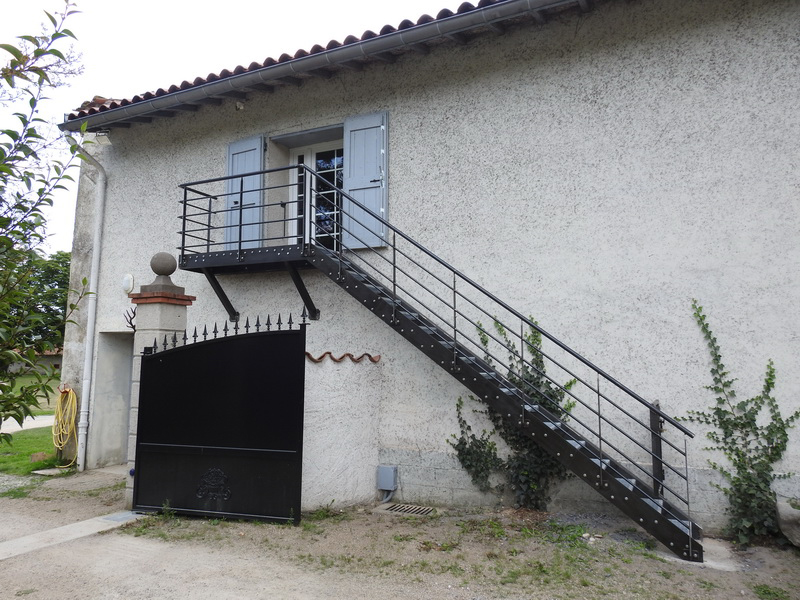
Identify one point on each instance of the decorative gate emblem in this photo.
(212, 485)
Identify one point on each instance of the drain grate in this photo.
(405, 509)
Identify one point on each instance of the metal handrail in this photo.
(460, 275)
(511, 310)
(304, 230)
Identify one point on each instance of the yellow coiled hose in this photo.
(64, 422)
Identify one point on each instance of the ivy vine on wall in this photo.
(752, 435)
(529, 470)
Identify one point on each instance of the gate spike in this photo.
(269, 325)
(225, 329)
(174, 339)
(304, 315)
(205, 332)
(236, 328)
(215, 330)
(279, 322)
(247, 325)
(258, 323)
(155, 345)
(194, 336)
(165, 341)
(185, 337)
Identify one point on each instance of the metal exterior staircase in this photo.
(613, 439)
(585, 459)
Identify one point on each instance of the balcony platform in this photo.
(249, 260)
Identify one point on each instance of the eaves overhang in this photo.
(383, 47)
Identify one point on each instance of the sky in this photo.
(129, 48)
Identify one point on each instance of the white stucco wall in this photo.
(597, 173)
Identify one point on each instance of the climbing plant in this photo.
(530, 470)
(752, 435)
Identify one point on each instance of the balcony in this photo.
(259, 221)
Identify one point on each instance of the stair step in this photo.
(553, 425)
(577, 444)
(512, 392)
(628, 483)
(356, 275)
(656, 505)
(603, 463)
(535, 408)
(409, 315)
(684, 526)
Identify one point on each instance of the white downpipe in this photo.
(94, 275)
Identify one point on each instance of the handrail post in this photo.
(656, 428)
(600, 430)
(208, 226)
(394, 278)
(183, 229)
(455, 325)
(309, 211)
(241, 216)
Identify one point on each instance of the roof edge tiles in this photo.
(371, 45)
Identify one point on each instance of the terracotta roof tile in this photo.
(90, 108)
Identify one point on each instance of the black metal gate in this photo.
(220, 428)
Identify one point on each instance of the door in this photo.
(364, 178)
(327, 160)
(243, 206)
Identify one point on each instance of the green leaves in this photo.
(14, 51)
(750, 441)
(33, 295)
(529, 469)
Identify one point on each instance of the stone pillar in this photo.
(160, 310)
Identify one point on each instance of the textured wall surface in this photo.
(597, 173)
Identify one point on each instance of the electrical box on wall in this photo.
(387, 478)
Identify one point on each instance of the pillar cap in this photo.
(162, 290)
(163, 265)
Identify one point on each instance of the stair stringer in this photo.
(583, 458)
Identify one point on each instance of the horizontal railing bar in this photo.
(249, 174)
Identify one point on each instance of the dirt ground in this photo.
(359, 553)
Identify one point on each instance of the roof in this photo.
(353, 53)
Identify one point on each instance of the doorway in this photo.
(327, 160)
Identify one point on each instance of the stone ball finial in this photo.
(163, 263)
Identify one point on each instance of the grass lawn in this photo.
(46, 407)
(15, 459)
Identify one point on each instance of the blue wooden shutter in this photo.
(244, 156)
(365, 178)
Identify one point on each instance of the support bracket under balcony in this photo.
(233, 314)
(313, 311)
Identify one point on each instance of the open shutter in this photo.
(244, 194)
(365, 177)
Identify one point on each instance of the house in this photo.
(594, 165)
